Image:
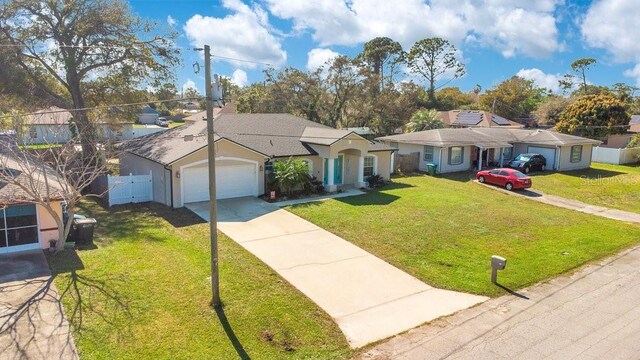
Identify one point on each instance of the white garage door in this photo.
(548, 153)
(231, 181)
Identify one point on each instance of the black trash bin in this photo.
(82, 231)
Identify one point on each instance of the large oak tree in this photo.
(71, 49)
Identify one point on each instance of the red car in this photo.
(509, 178)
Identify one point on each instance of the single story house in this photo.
(246, 147)
(476, 118)
(54, 125)
(474, 148)
(148, 115)
(25, 224)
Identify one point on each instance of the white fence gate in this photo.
(615, 156)
(130, 189)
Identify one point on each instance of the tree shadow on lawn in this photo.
(99, 297)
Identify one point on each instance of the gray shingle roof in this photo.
(49, 116)
(488, 137)
(273, 135)
(30, 173)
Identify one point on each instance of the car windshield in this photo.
(522, 158)
(518, 174)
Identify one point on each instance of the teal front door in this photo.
(337, 170)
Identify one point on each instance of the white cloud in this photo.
(239, 77)
(189, 84)
(171, 21)
(510, 26)
(634, 73)
(318, 57)
(243, 34)
(610, 25)
(541, 79)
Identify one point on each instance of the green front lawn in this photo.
(444, 231)
(614, 186)
(144, 294)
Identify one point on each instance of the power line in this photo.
(98, 107)
(127, 47)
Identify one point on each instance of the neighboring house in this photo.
(634, 124)
(24, 224)
(55, 125)
(48, 126)
(474, 148)
(246, 146)
(476, 118)
(228, 108)
(148, 115)
(617, 141)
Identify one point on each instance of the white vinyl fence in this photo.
(615, 156)
(130, 189)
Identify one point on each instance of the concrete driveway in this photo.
(32, 322)
(368, 298)
(591, 314)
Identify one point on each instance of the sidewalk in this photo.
(592, 314)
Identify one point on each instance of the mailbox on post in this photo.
(497, 263)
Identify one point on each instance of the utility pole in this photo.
(213, 206)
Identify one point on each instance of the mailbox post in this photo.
(497, 263)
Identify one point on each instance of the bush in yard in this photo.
(375, 181)
(291, 174)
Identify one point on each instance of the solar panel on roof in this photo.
(468, 118)
(499, 120)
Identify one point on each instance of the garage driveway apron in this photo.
(32, 322)
(368, 298)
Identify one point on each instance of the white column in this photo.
(501, 156)
(360, 181)
(479, 158)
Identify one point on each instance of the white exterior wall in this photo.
(47, 134)
(135, 165)
(565, 158)
(148, 118)
(444, 167)
(405, 149)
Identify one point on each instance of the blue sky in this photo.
(537, 39)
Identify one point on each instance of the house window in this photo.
(33, 132)
(428, 153)
(456, 154)
(507, 153)
(576, 153)
(369, 166)
(19, 225)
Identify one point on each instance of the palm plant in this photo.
(424, 119)
(290, 174)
